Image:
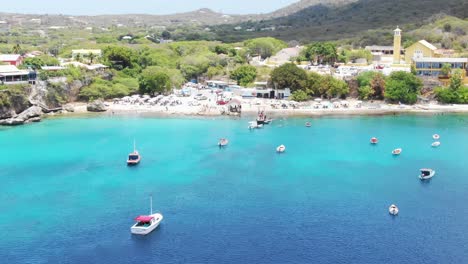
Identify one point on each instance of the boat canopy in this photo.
(144, 218)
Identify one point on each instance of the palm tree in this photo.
(16, 49)
(91, 57)
(78, 57)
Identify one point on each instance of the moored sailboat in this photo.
(134, 158)
(147, 223)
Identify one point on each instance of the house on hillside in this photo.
(9, 74)
(11, 59)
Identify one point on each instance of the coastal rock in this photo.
(35, 119)
(69, 108)
(6, 112)
(31, 112)
(96, 106)
(12, 122)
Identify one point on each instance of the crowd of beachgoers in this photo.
(210, 102)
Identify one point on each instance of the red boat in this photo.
(133, 158)
(374, 140)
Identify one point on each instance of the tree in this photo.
(456, 80)
(119, 57)
(16, 49)
(264, 47)
(378, 86)
(446, 69)
(402, 87)
(299, 96)
(78, 57)
(447, 27)
(91, 57)
(321, 52)
(152, 83)
(365, 92)
(38, 62)
(166, 34)
(373, 80)
(334, 88)
(244, 74)
(289, 76)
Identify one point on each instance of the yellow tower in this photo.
(397, 46)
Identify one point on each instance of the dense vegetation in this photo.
(456, 93)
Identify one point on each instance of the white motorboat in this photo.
(223, 142)
(308, 124)
(374, 140)
(436, 136)
(397, 151)
(147, 223)
(426, 174)
(435, 144)
(393, 209)
(281, 149)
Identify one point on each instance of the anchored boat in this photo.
(147, 223)
(426, 174)
(374, 140)
(281, 149)
(223, 142)
(133, 158)
(393, 209)
(397, 151)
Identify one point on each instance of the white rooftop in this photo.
(9, 57)
(8, 70)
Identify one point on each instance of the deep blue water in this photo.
(67, 196)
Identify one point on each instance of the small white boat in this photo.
(374, 140)
(223, 142)
(393, 209)
(435, 144)
(281, 149)
(397, 151)
(436, 136)
(426, 174)
(308, 124)
(147, 223)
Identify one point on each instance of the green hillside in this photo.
(322, 22)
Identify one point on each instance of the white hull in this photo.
(142, 230)
(281, 149)
(393, 210)
(436, 144)
(436, 136)
(397, 152)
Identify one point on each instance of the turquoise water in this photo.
(67, 196)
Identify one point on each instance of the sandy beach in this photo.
(183, 106)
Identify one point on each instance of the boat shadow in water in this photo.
(425, 183)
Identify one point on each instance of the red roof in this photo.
(144, 218)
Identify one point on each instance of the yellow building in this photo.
(420, 49)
